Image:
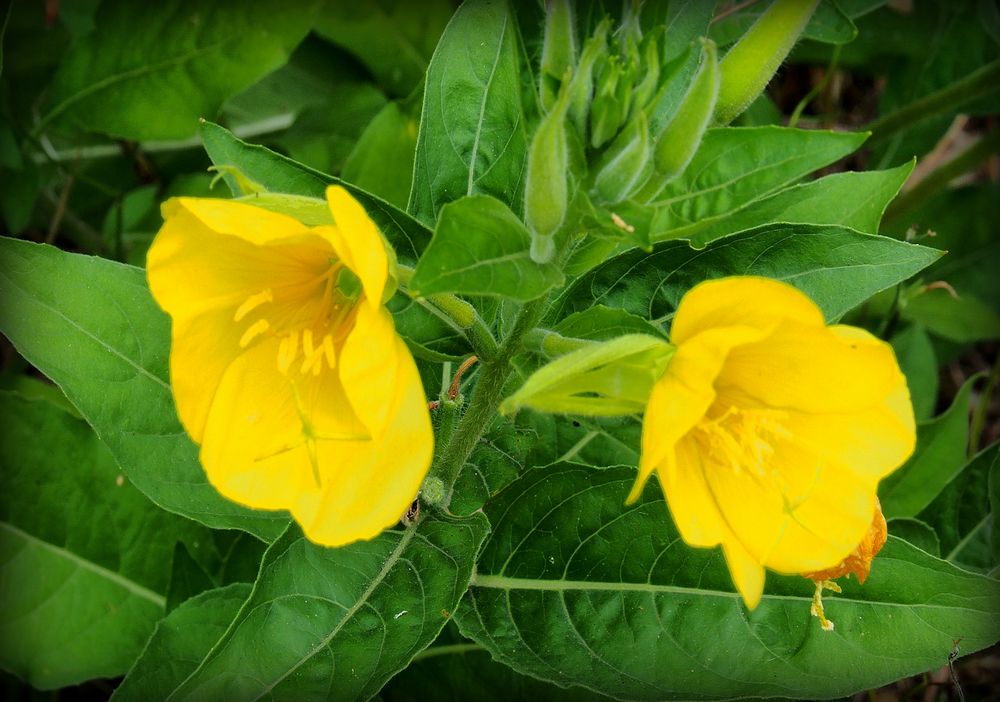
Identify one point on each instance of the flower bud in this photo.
(748, 66)
(546, 193)
(680, 138)
(558, 49)
(582, 88)
(623, 165)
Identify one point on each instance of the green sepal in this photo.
(623, 166)
(607, 379)
(311, 211)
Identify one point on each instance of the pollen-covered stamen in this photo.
(288, 351)
(742, 439)
(256, 329)
(252, 303)
(316, 354)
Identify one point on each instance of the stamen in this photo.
(329, 351)
(255, 330)
(287, 351)
(252, 303)
(817, 603)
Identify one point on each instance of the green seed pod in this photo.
(751, 62)
(558, 49)
(680, 138)
(622, 166)
(546, 195)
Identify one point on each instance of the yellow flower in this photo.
(286, 367)
(769, 430)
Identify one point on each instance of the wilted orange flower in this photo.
(285, 365)
(769, 430)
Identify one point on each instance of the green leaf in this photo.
(735, 167)
(280, 174)
(480, 247)
(917, 360)
(994, 490)
(458, 670)
(394, 39)
(332, 623)
(575, 588)
(852, 200)
(85, 557)
(180, 640)
(92, 327)
(961, 318)
(193, 56)
(472, 134)
(600, 323)
(917, 532)
(838, 268)
(965, 510)
(938, 457)
(382, 160)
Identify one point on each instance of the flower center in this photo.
(310, 318)
(742, 439)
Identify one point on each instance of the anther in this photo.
(255, 330)
(252, 303)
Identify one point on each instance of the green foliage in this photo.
(551, 178)
(575, 588)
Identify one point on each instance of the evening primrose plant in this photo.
(591, 407)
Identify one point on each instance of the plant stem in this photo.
(982, 409)
(981, 150)
(817, 89)
(486, 397)
(458, 313)
(980, 82)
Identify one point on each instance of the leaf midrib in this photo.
(503, 582)
(109, 575)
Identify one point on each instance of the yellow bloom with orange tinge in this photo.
(769, 430)
(286, 367)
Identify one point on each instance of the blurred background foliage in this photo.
(99, 108)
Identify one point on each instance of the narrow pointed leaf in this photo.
(838, 268)
(472, 134)
(480, 247)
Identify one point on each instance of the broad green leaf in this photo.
(994, 490)
(280, 174)
(838, 268)
(91, 326)
(333, 623)
(961, 318)
(830, 23)
(601, 323)
(575, 588)
(917, 532)
(472, 134)
(382, 160)
(938, 457)
(917, 360)
(84, 556)
(457, 670)
(852, 200)
(733, 168)
(187, 578)
(394, 39)
(180, 640)
(153, 79)
(480, 247)
(965, 510)
(29, 388)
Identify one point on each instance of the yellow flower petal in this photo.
(748, 575)
(358, 243)
(370, 363)
(683, 394)
(740, 301)
(770, 431)
(379, 479)
(808, 369)
(254, 225)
